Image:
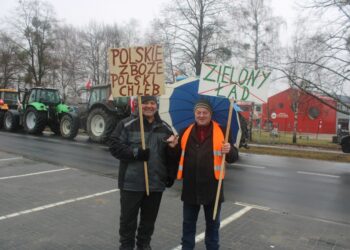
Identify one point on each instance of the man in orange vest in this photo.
(202, 147)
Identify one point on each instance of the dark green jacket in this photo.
(124, 142)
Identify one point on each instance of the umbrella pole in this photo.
(143, 143)
(222, 169)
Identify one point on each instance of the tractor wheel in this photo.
(100, 124)
(35, 121)
(345, 144)
(11, 121)
(69, 127)
(2, 115)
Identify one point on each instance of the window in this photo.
(32, 97)
(313, 113)
(10, 96)
(103, 94)
(245, 108)
(93, 98)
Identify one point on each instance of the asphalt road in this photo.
(316, 189)
(57, 194)
(78, 153)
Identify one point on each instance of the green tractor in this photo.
(41, 107)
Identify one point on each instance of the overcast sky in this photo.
(80, 12)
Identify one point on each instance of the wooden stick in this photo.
(222, 168)
(143, 143)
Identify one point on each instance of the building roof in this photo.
(343, 98)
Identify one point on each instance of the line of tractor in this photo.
(36, 109)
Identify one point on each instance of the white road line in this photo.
(318, 174)
(249, 166)
(36, 173)
(233, 217)
(223, 223)
(253, 206)
(12, 159)
(55, 204)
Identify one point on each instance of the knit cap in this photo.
(203, 103)
(148, 98)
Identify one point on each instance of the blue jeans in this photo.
(190, 216)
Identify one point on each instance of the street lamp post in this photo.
(318, 128)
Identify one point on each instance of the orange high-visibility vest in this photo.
(218, 138)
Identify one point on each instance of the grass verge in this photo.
(316, 155)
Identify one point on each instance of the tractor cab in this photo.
(44, 96)
(102, 94)
(8, 99)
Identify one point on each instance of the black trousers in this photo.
(132, 204)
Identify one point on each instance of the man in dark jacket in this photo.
(202, 146)
(125, 145)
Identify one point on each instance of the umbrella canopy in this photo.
(176, 107)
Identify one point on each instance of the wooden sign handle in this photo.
(222, 168)
(145, 168)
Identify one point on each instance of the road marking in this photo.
(249, 166)
(56, 204)
(253, 206)
(36, 173)
(318, 174)
(12, 159)
(223, 223)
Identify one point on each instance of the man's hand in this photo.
(169, 182)
(225, 148)
(142, 154)
(173, 140)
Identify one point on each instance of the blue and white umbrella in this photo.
(176, 107)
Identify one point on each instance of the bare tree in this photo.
(97, 39)
(197, 29)
(10, 63)
(327, 67)
(130, 34)
(255, 35)
(68, 70)
(113, 39)
(32, 31)
(159, 34)
(302, 50)
(92, 42)
(255, 32)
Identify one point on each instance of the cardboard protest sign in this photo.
(241, 84)
(136, 71)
